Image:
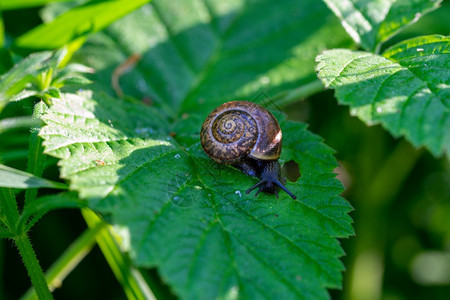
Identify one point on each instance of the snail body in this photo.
(247, 136)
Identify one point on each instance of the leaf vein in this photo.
(138, 168)
(279, 233)
(347, 64)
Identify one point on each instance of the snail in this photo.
(247, 136)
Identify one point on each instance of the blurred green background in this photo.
(401, 197)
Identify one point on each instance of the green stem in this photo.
(69, 259)
(36, 157)
(11, 212)
(134, 285)
(391, 177)
(32, 266)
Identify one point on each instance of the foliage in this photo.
(406, 88)
(203, 203)
(77, 23)
(370, 23)
(40, 75)
(126, 136)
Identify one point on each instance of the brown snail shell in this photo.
(238, 129)
(247, 136)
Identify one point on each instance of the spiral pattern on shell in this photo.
(239, 129)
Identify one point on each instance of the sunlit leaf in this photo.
(17, 4)
(19, 77)
(113, 155)
(13, 178)
(77, 22)
(40, 74)
(370, 23)
(406, 89)
(142, 166)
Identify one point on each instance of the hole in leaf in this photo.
(291, 170)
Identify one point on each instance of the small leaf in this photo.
(406, 91)
(40, 75)
(13, 178)
(53, 92)
(15, 80)
(370, 23)
(18, 122)
(23, 95)
(72, 79)
(189, 216)
(16, 4)
(75, 23)
(74, 69)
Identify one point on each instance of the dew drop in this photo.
(238, 193)
(419, 49)
(379, 109)
(177, 156)
(141, 85)
(417, 17)
(264, 80)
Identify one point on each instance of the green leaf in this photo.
(428, 58)
(13, 178)
(370, 23)
(406, 89)
(192, 56)
(40, 75)
(70, 75)
(18, 122)
(142, 167)
(15, 80)
(76, 23)
(17, 4)
(189, 216)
